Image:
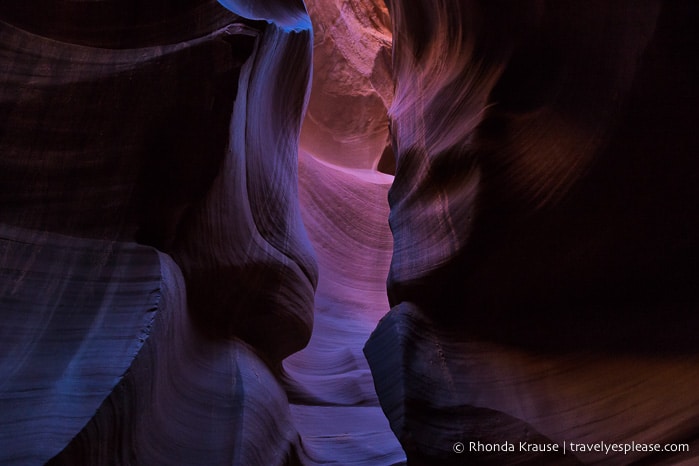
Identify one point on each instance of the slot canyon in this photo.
(349, 232)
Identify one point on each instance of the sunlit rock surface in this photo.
(544, 218)
(346, 123)
(154, 267)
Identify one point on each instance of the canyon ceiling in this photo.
(347, 232)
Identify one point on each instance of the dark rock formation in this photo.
(544, 218)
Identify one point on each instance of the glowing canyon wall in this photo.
(205, 257)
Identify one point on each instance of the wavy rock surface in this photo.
(330, 387)
(544, 218)
(154, 265)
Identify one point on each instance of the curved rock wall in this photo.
(155, 270)
(543, 214)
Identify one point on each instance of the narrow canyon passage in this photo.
(344, 206)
